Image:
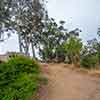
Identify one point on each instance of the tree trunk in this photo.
(77, 60)
(20, 45)
(33, 50)
(26, 47)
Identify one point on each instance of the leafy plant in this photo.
(89, 61)
(19, 78)
(73, 48)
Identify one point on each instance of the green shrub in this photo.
(18, 78)
(89, 61)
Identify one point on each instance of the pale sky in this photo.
(83, 14)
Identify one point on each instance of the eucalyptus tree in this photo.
(52, 38)
(5, 19)
(27, 17)
(90, 57)
(94, 47)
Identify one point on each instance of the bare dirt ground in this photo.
(67, 84)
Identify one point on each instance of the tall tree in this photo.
(52, 37)
(5, 18)
(27, 21)
(73, 47)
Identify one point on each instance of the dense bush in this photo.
(18, 78)
(89, 61)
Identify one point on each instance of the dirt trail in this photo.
(67, 84)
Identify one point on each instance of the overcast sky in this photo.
(83, 14)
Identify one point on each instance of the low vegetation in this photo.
(19, 78)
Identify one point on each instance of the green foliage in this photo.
(91, 54)
(73, 45)
(51, 39)
(60, 53)
(5, 20)
(5, 6)
(18, 78)
(24, 64)
(89, 61)
(28, 22)
(73, 48)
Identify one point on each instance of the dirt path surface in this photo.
(67, 84)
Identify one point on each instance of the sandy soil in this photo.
(67, 84)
